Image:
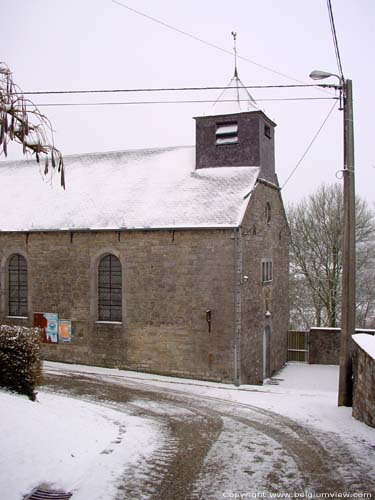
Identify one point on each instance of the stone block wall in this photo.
(364, 384)
(262, 238)
(170, 280)
(324, 346)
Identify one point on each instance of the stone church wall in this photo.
(170, 280)
(265, 235)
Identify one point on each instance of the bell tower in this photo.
(236, 133)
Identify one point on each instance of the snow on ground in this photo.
(70, 444)
(305, 393)
(73, 444)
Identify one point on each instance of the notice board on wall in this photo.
(65, 330)
(54, 330)
(40, 321)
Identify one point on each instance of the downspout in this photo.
(236, 346)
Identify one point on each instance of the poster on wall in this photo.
(65, 330)
(41, 322)
(48, 322)
(52, 328)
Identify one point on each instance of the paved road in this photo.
(214, 449)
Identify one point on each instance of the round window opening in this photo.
(267, 212)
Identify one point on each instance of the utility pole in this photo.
(348, 303)
(348, 306)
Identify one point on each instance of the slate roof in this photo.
(138, 189)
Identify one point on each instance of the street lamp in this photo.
(320, 75)
(348, 305)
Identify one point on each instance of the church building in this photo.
(169, 260)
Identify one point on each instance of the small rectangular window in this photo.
(267, 272)
(226, 133)
(267, 131)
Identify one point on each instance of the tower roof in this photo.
(235, 98)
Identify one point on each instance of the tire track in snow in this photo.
(190, 466)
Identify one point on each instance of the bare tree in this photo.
(366, 288)
(22, 122)
(316, 226)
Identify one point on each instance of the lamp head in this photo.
(319, 75)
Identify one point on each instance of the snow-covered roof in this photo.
(151, 188)
(366, 342)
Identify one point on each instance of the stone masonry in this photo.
(262, 238)
(324, 346)
(364, 383)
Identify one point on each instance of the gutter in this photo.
(116, 230)
(236, 346)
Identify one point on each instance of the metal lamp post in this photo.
(348, 306)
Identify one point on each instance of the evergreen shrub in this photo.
(20, 364)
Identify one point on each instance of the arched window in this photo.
(17, 286)
(110, 289)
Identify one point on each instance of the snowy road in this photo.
(211, 447)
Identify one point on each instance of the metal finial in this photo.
(234, 35)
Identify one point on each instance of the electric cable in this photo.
(210, 44)
(335, 42)
(168, 89)
(309, 146)
(192, 101)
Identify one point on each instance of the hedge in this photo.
(20, 364)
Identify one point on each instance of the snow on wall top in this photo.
(138, 189)
(366, 342)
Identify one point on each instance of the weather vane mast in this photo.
(234, 35)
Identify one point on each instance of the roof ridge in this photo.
(132, 150)
(97, 153)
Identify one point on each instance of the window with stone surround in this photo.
(109, 289)
(267, 271)
(17, 286)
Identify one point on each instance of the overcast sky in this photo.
(98, 44)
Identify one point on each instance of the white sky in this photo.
(97, 44)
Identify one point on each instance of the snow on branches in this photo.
(22, 122)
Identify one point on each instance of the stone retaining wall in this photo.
(364, 384)
(324, 345)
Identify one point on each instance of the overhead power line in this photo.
(190, 101)
(201, 40)
(169, 89)
(334, 36)
(309, 146)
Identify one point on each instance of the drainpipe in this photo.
(236, 347)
